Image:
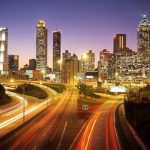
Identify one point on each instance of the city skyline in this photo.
(87, 26)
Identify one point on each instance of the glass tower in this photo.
(3, 51)
(143, 35)
(41, 46)
(119, 42)
(56, 50)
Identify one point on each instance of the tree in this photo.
(2, 91)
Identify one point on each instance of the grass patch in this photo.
(5, 99)
(57, 87)
(31, 90)
(87, 100)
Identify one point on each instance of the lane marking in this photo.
(62, 136)
(115, 127)
(87, 144)
(107, 132)
(77, 136)
(112, 130)
(34, 148)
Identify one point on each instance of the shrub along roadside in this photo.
(87, 91)
(4, 98)
(31, 90)
(137, 113)
(57, 87)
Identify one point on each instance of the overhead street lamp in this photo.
(43, 74)
(12, 80)
(47, 92)
(60, 63)
(23, 87)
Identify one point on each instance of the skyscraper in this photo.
(70, 70)
(3, 51)
(91, 59)
(13, 62)
(41, 46)
(106, 65)
(66, 55)
(32, 64)
(56, 50)
(143, 35)
(87, 62)
(119, 42)
(143, 43)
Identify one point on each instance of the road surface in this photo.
(63, 126)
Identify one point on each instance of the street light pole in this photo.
(24, 104)
(47, 96)
(24, 86)
(43, 73)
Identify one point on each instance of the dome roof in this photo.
(118, 89)
(41, 23)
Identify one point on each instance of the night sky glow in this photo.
(85, 24)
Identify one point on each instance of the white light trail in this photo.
(17, 117)
(14, 108)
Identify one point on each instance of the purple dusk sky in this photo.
(85, 24)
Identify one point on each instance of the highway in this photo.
(54, 128)
(6, 111)
(14, 116)
(100, 133)
(64, 126)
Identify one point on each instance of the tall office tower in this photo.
(13, 62)
(129, 64)
(3, 51)
(32, 64)
(143, 35)
(83, 64)
(119, 42)
(87, 62)
(91, 59)
(106, 65)
(41, 46)
(66, 55)
(143, 43)
(70, 70)
(56, 50)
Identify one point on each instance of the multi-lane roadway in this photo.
(64, 126)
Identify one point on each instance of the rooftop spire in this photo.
(41, 23)
(144, 16)
(144, 21)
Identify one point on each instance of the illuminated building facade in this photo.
(87, 62)
(3, 51)
(70, 70)
(130, 64)
(143, 43)
(41, 46)
(32, 64)
(106, 65)
(119, 42)
(91, 59)
(13, 62)
(66, 55)
(143, 35)
(56, 50)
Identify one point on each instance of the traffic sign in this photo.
(85, 107)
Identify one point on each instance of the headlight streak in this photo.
(19, 116)
(16, 107)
